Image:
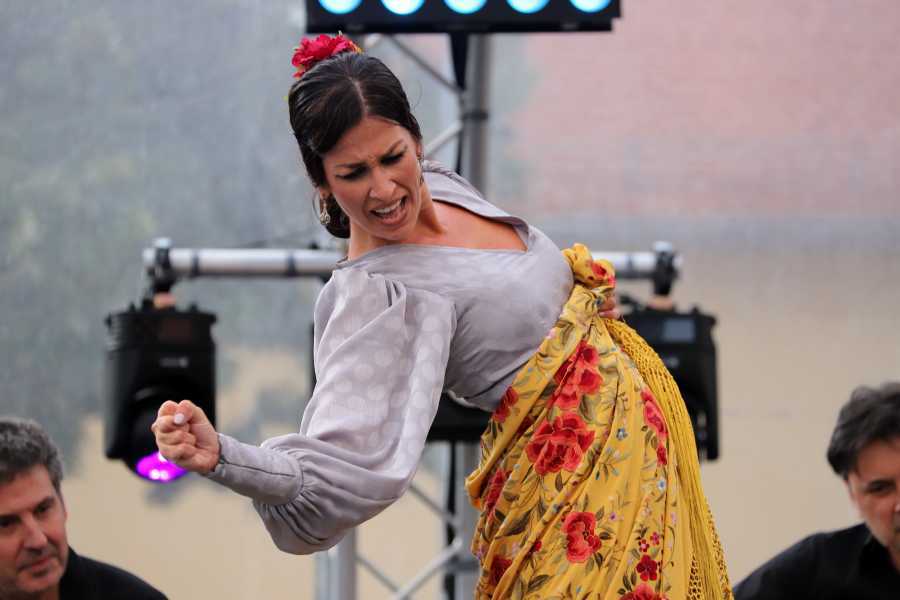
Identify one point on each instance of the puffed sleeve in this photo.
(380, 351)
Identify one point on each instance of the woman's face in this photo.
(374, 173)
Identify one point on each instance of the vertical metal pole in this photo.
(323, 575)
(336, 576)
(473, 164)
(475, 112)
(467, 457)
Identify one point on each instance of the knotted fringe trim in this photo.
(708, 555)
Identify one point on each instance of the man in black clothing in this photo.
(88, 579)
(861, 562)
(36, 561)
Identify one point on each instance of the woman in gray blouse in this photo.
(441, 291)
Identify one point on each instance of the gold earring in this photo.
(324, 217)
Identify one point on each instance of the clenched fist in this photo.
(610, 308)
(185, 436)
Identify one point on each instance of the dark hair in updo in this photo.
(333, 97)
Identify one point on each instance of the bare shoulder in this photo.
(469, 230)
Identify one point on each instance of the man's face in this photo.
(874, 487)
(33, 546)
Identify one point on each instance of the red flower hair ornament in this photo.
(313, 51)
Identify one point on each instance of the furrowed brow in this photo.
(356, 165)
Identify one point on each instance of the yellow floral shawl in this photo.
(589, 482)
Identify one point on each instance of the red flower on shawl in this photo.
(653, 415)
(643, 592)
(647, 568)
(509, 398)
(535, 547)
(559, 445)
(312, 51)
(494, 489)
(584, 356)
(581, 541)
(662, 458)
(498, 567)
(577, 376)
(603, 274)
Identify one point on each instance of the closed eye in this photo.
(392, 159)
(354, 174)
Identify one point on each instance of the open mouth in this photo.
(393, 213)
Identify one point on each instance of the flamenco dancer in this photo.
(589, 482)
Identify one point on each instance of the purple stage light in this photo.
(157, 469)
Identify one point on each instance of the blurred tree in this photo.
(123, 122)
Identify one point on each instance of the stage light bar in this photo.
(459, 16)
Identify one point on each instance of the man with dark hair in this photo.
(36, 561)
(861, 562)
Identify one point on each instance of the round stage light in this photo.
(590, 6)
(157, 469)
(465, 7)
(339, 7)
(528, 6)
(403, 7)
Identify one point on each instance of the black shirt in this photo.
(87, 579)
(848, 564)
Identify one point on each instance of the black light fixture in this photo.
(154, 355)
(459, 16)
(685, 344)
